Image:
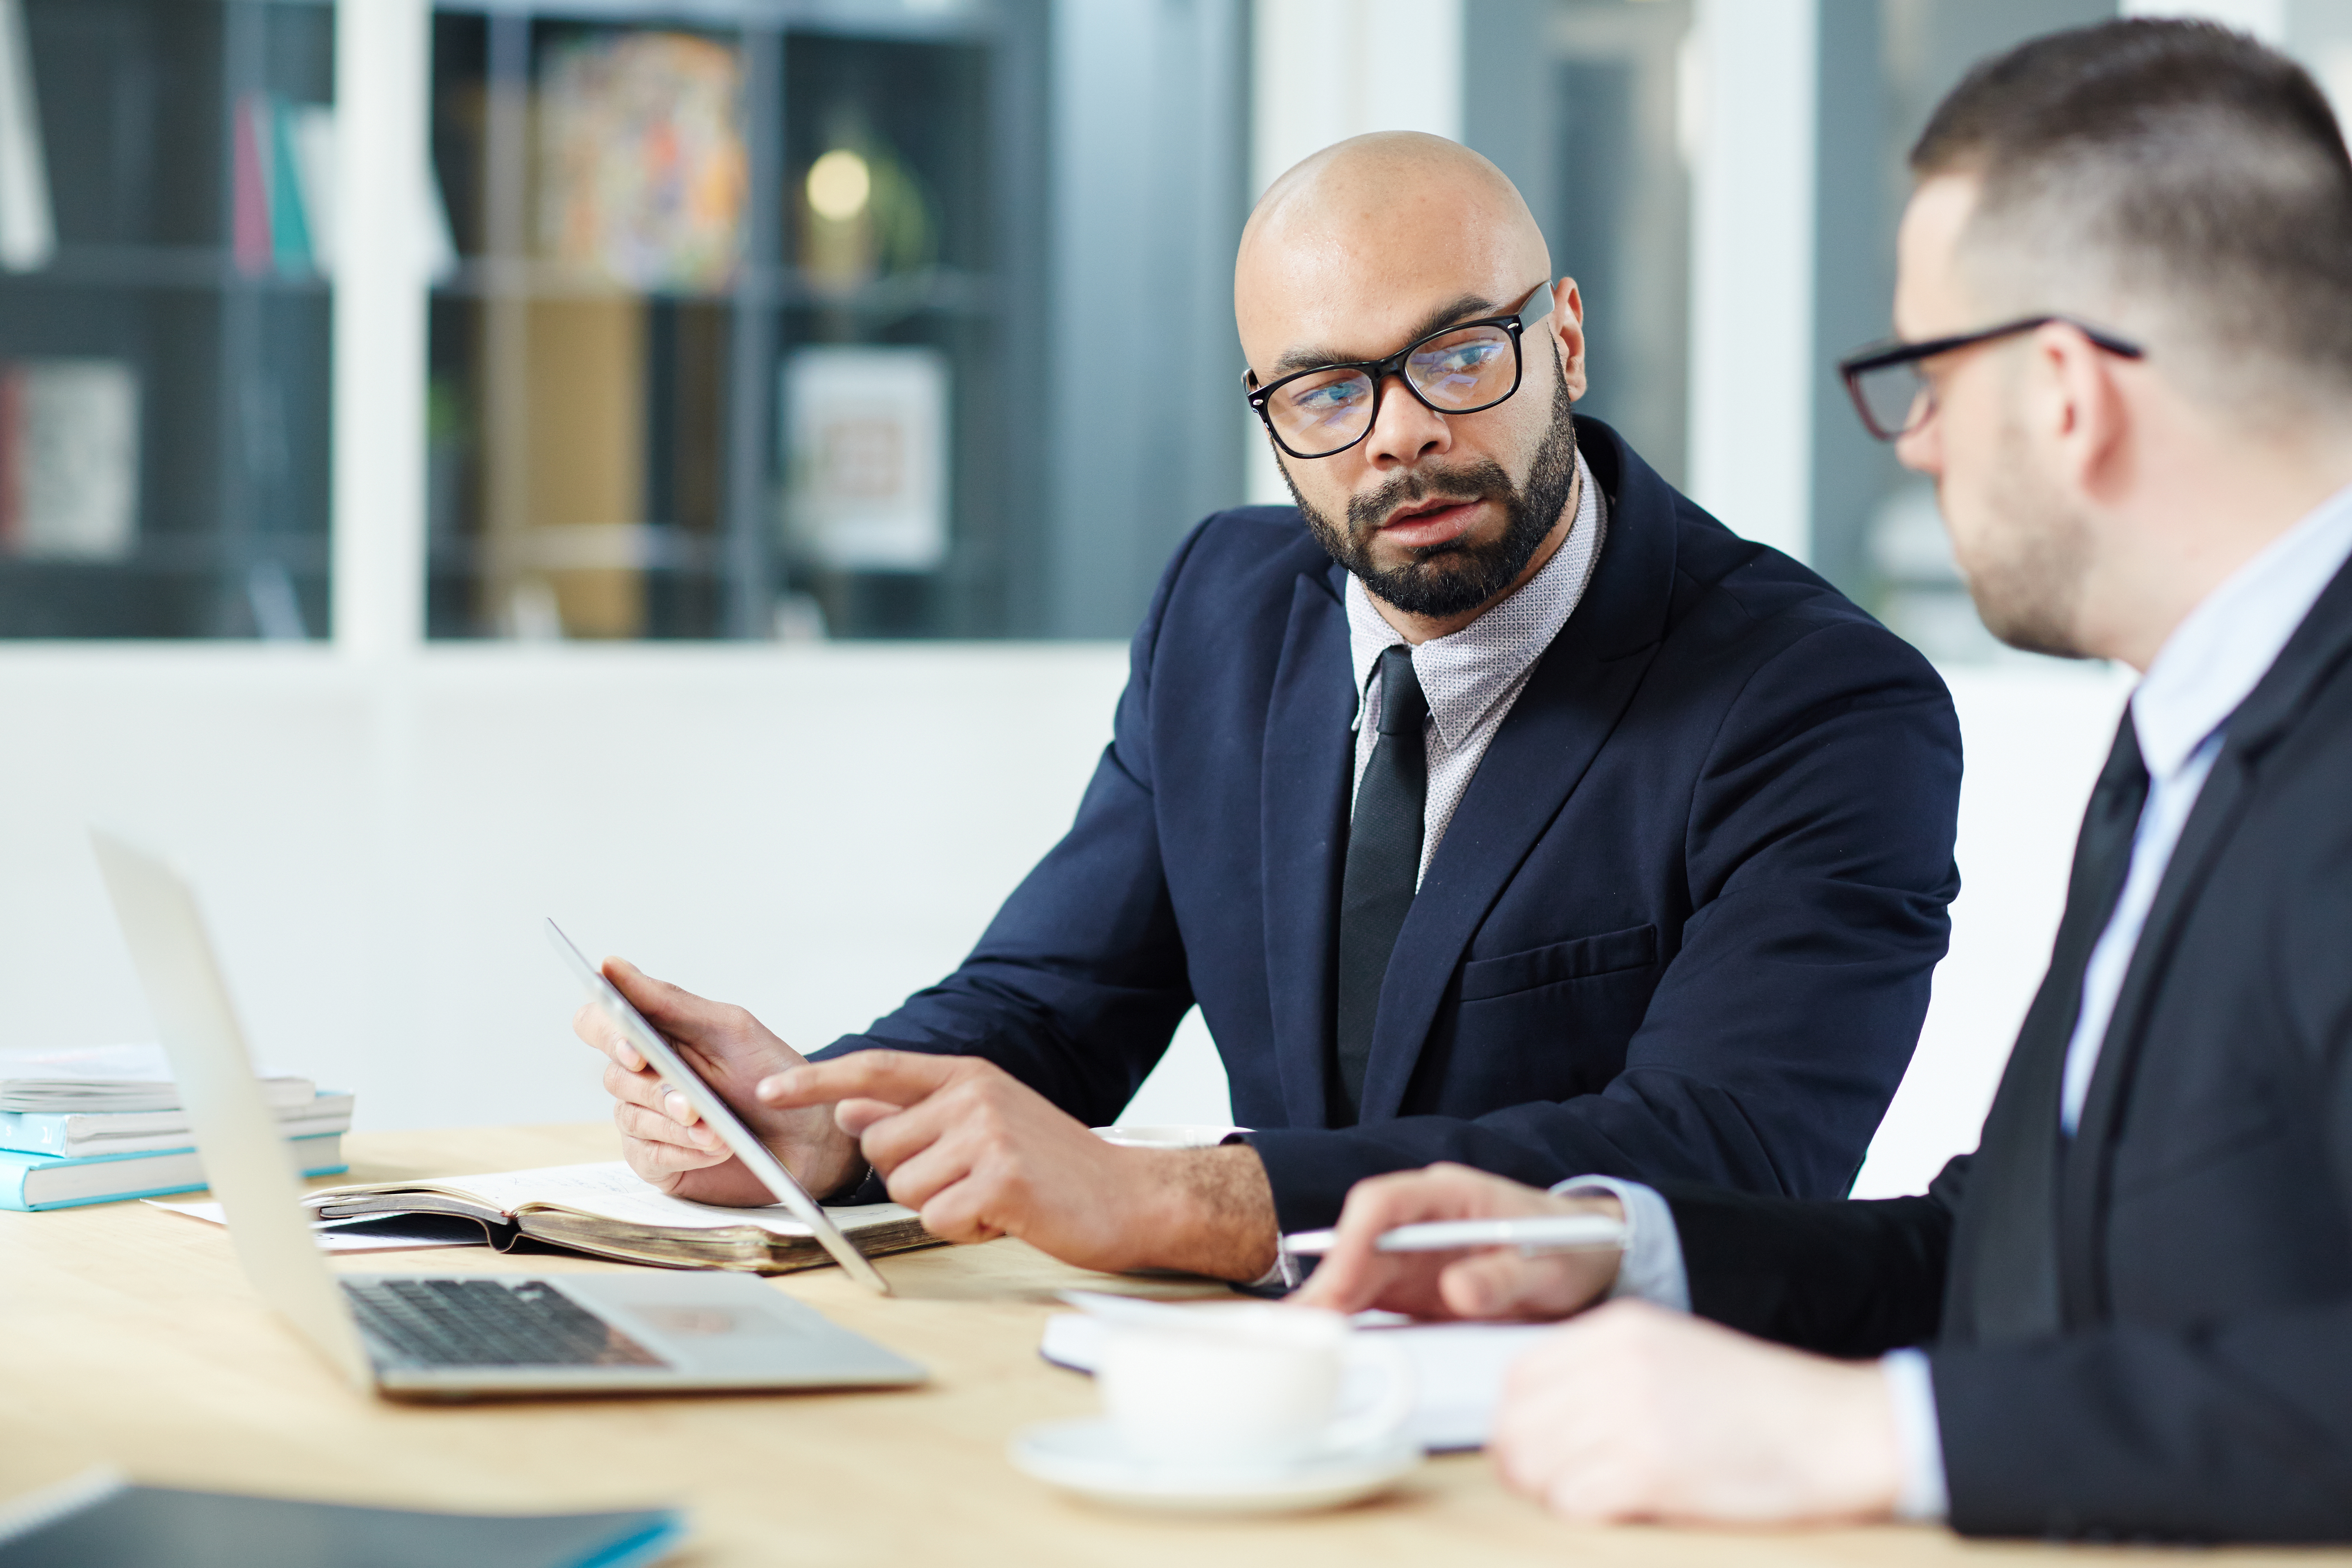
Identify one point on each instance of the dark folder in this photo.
(154, 1527)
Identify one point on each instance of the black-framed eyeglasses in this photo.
(1460, 369)
(1894, 395)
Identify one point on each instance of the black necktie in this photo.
(2102, 862)
(1383, 865)
(2005, 1251)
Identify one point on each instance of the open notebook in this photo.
(605, 1209)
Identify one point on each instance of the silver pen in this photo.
(1539, 1234)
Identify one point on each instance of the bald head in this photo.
(1369, 235)
(1381, 244)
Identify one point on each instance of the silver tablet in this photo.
(657, 1049)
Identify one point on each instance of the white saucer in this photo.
(1088, 1458)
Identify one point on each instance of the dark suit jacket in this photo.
(1681, 924)
(2147, 1333)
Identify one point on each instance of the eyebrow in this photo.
(1469, 307)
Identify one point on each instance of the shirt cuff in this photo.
(1651, 1269)
(1919, 1442)
(1286, 1275)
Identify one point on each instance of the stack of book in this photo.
(103, 1122)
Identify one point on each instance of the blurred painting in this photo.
(642, 167)
(68, 458)
(866, 432)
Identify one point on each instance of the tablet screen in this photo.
(673, 1070)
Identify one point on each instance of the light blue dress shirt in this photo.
(2217, 655)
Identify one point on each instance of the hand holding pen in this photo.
(1452, 1242)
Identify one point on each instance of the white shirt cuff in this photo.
(1651, 1269)
(1286, 1271)
(1918, 1440)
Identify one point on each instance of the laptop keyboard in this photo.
(486, 1322)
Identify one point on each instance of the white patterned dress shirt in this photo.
(1474, 676)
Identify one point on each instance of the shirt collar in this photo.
(2225, 646)
(1465, 672)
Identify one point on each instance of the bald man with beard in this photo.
(1495, 805)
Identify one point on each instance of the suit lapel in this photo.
(1572, 701)
(2004, 1276)
(2083, 1185)
(2319, 646)
(1303, 824)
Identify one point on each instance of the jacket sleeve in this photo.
(1844, 1278)
(1078, 984)
(1818, 848)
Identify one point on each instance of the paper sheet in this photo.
(1457, 1368)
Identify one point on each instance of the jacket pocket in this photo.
(1577, 958)
(2231, 1134)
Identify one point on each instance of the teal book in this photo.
(59, 1181)
(290, 222)
(85, 1525)
(150, 1132)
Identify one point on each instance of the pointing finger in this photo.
(898, 1077)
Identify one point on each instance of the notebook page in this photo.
(612, 1191)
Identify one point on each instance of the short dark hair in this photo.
(2187, 164)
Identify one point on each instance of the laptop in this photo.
(430, 1336)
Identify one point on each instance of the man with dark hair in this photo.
(1495, 805)
(2126, 300)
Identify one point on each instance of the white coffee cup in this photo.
(1247, 1384)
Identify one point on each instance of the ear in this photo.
(1566, 325)
(2082, 409)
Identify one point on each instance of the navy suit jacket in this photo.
(1681, 924)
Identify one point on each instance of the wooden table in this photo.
(127, 1336)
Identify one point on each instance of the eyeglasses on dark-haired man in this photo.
(1892, 392)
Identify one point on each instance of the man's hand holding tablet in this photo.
(1489, 1282)
(976, 1151)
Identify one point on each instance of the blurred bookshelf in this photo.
(165, 167)
(743, 311)
(670, 319)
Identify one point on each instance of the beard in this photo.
(1457, 576)
(2027, 580)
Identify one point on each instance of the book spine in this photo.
(31, 1134)
(12, 457)
(313, 134)
(29, 224)
(289, 224)
(249, 200)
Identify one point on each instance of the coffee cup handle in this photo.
(1388, 1413)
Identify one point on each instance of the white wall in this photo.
(2034, 737)
(810, 831)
